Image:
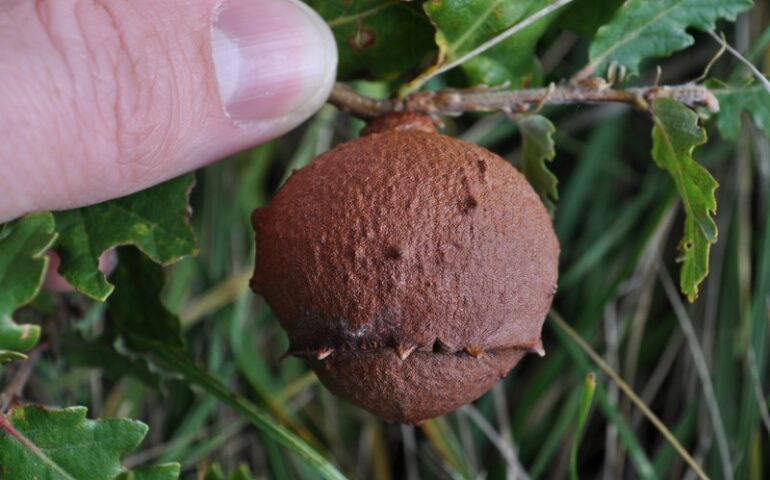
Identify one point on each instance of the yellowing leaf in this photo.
(674, 137)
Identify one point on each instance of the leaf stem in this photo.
(629, 392)
(455, 102)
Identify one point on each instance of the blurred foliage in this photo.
(220, 401)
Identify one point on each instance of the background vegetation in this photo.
(203, 367)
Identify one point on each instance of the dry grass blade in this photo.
(626, 389)
(498, 441)
(754, 70)
(217, 297)
(701, 366)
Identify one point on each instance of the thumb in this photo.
(102, 98)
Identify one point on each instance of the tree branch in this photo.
(456, 102)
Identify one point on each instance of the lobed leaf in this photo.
(136, 308)
(463, 25)
(22, 269)
(155, 220)
(63, 444)
(584, 17)
(645, 29)
(537, 149)
(733, 102)
(22, 260)
(674, 137)
(16, 338)
(378, 40)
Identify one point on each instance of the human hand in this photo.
(102, 98)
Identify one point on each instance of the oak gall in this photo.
(410, 269)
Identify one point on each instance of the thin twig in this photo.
(502, 36)
(353, 103)
(701, 366)
(455, 102)
(754, 70)
(599, 361)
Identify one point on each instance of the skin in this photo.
(102, 98)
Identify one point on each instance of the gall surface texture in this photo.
(412, 270)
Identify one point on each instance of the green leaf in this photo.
(136, 308)
(378, 40)
(584, 17)
(733, 102)
(22, 269)
(155, 220)
(62, 444)
(674, 137)
(645, 29)
(9, 356)
(463, 25)
(149, 328)
(537, 149)
(15, 337)
(22, 263)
